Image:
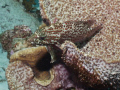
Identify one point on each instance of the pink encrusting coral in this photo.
(90, 70)
(103, 45)
(21, 77)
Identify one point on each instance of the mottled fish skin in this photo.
(92, 71)
(59, 32)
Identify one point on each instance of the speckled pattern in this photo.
(20, 77)
(91, 70)
(106, 43)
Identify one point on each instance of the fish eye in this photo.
(42, 38)
(46, 21)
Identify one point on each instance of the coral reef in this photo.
(59, 32)
(96, 64)
(90, 70)
(24, 73)
(105, 44)
(11, 39)
(20, 76)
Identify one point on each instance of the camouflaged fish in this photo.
(57, 33)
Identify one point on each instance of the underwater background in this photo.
(13, 13)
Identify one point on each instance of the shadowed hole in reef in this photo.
(44, 63)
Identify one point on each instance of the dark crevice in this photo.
(44, 63)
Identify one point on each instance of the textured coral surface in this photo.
(91, 71)
(20, 77)
(26, 68)
(106, 43)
